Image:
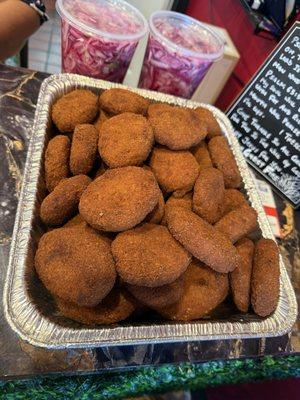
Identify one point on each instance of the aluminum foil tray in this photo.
(29, 308)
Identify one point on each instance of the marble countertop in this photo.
(18, 95)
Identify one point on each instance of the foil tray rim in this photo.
(23, 315)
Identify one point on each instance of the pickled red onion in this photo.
(189, 37)
(169, 72)
(98, 56)
(178, 54)
(104, 16)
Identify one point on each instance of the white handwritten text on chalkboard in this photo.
(266, 118)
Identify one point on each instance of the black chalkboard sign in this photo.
(266, 118)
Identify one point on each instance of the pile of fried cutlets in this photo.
(144, 211)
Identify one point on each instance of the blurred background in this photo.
(249, 28)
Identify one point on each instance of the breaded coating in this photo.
(156, 215)
(83, 149)
(149, 256)
(202, 156)
(156, 108)
(233, 199)
(158, 297)
(79, 223)
(146, 167)
(209, 192)
(119, 199)
(265, 277)
(75, 221)
(201, 239)
(213, 128)
(62, 203)
(223, 159)
(77, 107)
(204, 290)
(117, 306)
(117, 101)
(186, 202)
(100, 171)
(175, 171)
(57, 161)
(177, 128)
(102, 117)
(76, 265)
(240, 278)
(238, 223)
(125, 139)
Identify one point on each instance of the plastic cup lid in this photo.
(114, 19)
(184, 34)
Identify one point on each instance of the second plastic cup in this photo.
(99, 37)
(180, 51)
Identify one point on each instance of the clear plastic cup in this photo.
(179, 52)
(99, 37)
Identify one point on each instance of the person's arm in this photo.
(17, 22)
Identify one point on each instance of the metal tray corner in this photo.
(23, 310)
